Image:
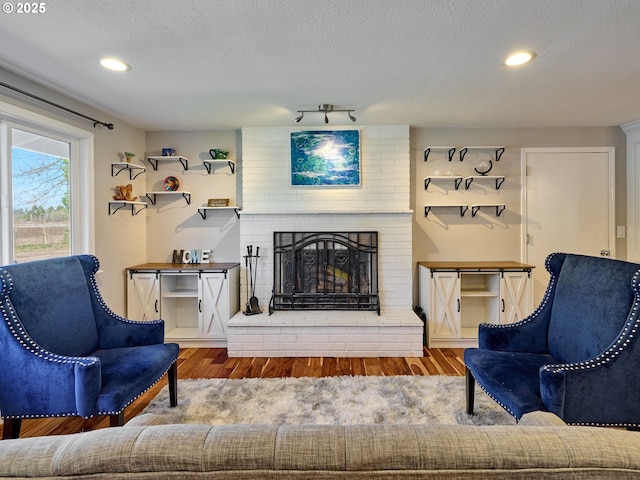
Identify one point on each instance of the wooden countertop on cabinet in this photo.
(187, 267)
(493, 265)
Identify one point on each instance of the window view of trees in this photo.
(41, 201)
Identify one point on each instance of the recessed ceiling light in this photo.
(111, 63)
(519, 58)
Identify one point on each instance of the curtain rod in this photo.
(95, 122)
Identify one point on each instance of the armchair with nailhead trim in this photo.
(576, 355)
(65, 353)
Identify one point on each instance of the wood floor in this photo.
(214, 363)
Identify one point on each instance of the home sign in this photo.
(191, 256)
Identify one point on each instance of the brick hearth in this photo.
(395, 333)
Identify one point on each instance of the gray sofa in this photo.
(541, 446)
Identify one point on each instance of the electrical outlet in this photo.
(620, 231)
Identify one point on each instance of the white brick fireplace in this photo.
(380, 203)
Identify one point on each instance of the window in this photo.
(46, 187)
(40, 196)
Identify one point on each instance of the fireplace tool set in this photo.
(251, 266)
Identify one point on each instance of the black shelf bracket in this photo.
(427, 151)
(123, 205)
(208, 164)
(185, 195)
(154, 162)
(131, 175)
(469, 180)
(499, 152)
(203, 212)
(456, 181)
(499, 209)
(463, 209)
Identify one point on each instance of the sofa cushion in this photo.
(52, 300)
(582, 325)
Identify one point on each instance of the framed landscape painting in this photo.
(325, 158)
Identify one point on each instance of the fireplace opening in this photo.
(325, 271)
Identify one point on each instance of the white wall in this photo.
(171, 223)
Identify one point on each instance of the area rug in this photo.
(345, 400)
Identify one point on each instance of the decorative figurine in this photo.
(124, 193)
(483, 167)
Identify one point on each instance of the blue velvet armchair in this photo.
(65, 353)
(577, 355)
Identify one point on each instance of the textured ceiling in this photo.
(225, 64)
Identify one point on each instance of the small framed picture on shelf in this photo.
(218, 202)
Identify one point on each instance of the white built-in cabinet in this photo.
(196, 301)
(456, 297)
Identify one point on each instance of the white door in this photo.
(143, 296)
(444, 319)
(515, 296)
(568, 205)
(213, 305)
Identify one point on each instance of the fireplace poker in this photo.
(252, 307)
(255, 308)
(246, 269)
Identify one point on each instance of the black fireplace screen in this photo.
(325, 271)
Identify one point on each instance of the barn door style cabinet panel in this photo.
(195, 301)
(143, 296)
(458, 296)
